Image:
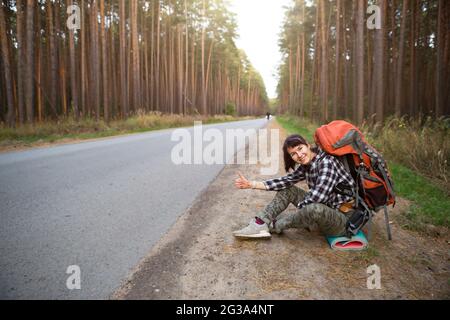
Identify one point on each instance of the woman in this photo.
(321, 205)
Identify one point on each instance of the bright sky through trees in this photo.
(259, 27)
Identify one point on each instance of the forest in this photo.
(363, 60)
(122, 58)
(338, 63)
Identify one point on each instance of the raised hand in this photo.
(242, 182)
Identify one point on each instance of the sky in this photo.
(259, 25)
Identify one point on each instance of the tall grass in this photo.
(423, 146)
(296, 125)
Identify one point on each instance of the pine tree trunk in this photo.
(122, 60)
(38, 66)
(95, 63)
(158, 58)
(413, 91)
(135, 56)
(29, 61)
(360, 61)
(324, 63)
(440, 63)
(73, 70)
(446, 58)
(337, 76)
(20, 60)
(83, 80)
(291, 81)
(53, 64)
(203, 106)
(379, 63)
(399, 74)
(113, 66)
(180, 72)
(315, 62)
(61, 62)
(346, 91)
(302, 78)
(106, 93)
(152, 58)
(208, 69)
(186, 63)
(7, 66)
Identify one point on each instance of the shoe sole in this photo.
(260, 235)
(276, 232)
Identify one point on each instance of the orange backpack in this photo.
(368, 168)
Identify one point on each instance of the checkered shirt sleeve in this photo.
(286, 181)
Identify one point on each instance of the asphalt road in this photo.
(98, 205)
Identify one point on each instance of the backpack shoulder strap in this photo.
(344, 161)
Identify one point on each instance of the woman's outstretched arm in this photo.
(286, 181)
(243, 183)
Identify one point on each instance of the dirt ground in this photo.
(200, 259)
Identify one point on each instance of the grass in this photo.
(430, 203)
(298, 126)
(422, 145)
(367, 256)
(68, 128)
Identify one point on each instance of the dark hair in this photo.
(291, 142)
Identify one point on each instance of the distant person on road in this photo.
(320, 206)
(268, 115)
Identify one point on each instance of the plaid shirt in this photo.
(322, 175)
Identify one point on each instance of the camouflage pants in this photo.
(330, 221)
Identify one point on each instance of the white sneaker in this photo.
(253, 231)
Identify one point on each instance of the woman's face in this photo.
(301, 154)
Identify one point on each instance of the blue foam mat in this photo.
(356, 243)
